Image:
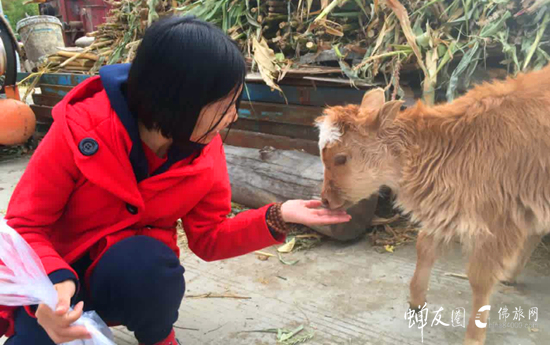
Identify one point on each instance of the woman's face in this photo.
(210, 115)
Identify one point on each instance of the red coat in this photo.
(68, 204)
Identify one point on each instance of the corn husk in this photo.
(444, 42)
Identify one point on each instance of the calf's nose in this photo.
(325, 202)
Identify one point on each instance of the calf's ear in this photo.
(373, 100)
(388, 113)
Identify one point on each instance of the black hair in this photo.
(182, 65)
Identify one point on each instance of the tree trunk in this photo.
(259, 177)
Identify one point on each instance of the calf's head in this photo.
(356, 162)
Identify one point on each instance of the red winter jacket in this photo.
(68, 204)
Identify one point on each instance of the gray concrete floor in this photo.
(344, 293)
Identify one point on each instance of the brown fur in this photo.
(476, 169)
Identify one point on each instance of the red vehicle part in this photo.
(78, 16)
(8, 61)
(17, 120)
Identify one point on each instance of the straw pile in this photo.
(442, 41)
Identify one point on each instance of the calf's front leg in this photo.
(426, 254)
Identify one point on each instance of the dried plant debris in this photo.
(288, 246)
(295, 336)
(289, 263)
(298, 335)
(17, 151)
(297, 241)
(236, 209)
(368, 42)
(304, 238)
(265, 58)
(392, 232)
(214, 295)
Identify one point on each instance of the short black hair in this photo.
(182, 65)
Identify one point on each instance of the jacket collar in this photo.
(115, 80)
(86, 112)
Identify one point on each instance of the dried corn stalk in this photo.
(369, 40)
(265, 58)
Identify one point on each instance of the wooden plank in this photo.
(255, 92)
(75, 79)
(68, 79)
(55, 90)
(306, 94)
(22, 75)
(297, 95)
(260, 140)
(64, 79)
(302, 95)
(280, 113)
(280, 129)
(343, 82)
(48, 101)
(42, 113)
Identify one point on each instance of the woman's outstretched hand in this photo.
(308, 212)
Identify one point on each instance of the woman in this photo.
(129, 153)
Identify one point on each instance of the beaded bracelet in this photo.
(275, 219)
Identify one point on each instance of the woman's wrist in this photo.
(275, 219)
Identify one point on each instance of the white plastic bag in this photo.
(23, 282)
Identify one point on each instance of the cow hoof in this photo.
(473, 342)
(509, 283)
(415, 307)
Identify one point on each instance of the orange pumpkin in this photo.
(17, 122)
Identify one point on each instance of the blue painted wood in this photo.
(298, 95)
(58, 78)
(21, 76)
(55, 90)
(280, 113)
(63, 79)
(320, 96)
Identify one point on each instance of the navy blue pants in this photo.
(137, 283)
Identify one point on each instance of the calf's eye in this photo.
(340, 160)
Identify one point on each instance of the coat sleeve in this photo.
(41, 195)
(213, 236)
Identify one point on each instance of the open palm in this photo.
(309, 212)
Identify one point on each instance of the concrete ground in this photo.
(343, 293)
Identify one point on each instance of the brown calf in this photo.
(476, 170)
